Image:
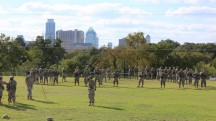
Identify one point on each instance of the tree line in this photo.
(43, 53)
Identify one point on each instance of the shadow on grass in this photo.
(20, 107)
(113, 108)
(210, 88)
(45, 102)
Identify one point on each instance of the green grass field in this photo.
(124, 103)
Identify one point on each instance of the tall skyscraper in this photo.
(70, 38)
(50, 29)
(148, 39)
(109, 45)
(122, 42)
(91, 37)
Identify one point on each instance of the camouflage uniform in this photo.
(33, 74)
(152, 71)
(76, 76)
(203, 77)
(41, 74)
(37, 75)
(136, 72)
(158, 73)
(27, 72)
(186, 77)
(29, 83)
(196, 77)
(50, 71)
(46, 75)
(148, 70)
(11, 88)
(63, 75)
(116, 77)
(97, 73)
(55, 75)
(177, 76)
(142, 76)
(86, 74)
(162, 78)
(169, 74)
(173, 75)
(91, 90)
(190, 75)
(1, 88)
(109, 73)
(103, 74)
(181, 76)
(129, 72)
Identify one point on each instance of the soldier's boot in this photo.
(92, 104)
(14, 102)
(89, 104)
(9, 101)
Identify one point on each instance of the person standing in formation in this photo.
(116, 77)
(11, 88)
(63, 75)
(76, 76)
(1, 88)
(91, 90)
(203, 77)
(162, 78)
(142, 76)
(29, 83)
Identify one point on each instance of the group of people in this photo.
(98, 75)
(182, 77)
(44, 76)
(11, 89)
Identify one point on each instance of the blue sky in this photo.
(179, 20)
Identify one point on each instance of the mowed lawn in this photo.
(124, 103)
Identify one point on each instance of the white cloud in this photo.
(192, 11)
(197, 2)
(3, 10)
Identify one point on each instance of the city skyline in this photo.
(179, 20)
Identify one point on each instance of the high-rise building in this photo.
(122, 42)
(148, 39)
(50, 29)
(91, 37)
(109, 45)
(70, 37)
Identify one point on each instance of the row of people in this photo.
(181, 76)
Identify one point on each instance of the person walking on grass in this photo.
(91, 90)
